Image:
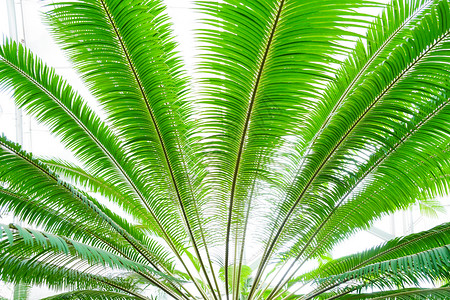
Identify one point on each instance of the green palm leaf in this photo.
(395, 248)
(433, 293)
(148, 130)
(313, 120)
(428, 265)
(21, 292)
(92, 295)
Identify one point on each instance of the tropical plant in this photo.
(21, 291)
(312, 119)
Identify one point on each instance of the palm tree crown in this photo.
(304, 132)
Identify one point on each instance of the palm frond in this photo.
(80, 228)
(48, 97)
(328, 173)
(42, 181)
(145, 89)
(78, 176)
(91, 295)
(58, 251)
(430, 294)
(54, 276)
(21, 291)
(314, 119)
(395, 248)
(64, 245)
(259, 56)
(424, 266)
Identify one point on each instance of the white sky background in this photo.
(40, 142)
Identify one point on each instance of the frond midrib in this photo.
(399, 246)
(79, 122)
(341, 281)
(166, 158)
(112, 246)
(413, 292)
(370, 61)
(242, 140)
(89, 204)
(69, 243)
(371, 169)
(355, 80)
(343, 138)
(85, 129)
(363, 69)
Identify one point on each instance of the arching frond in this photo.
(313, 120)
(395, 248)
(91, 295)
(431, 294)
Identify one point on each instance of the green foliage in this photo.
(393, 249)
(314, 119)
(91, 295)
(245, 272)
(408, 294)
(429, 265)
(21, 292)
